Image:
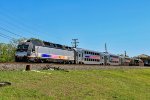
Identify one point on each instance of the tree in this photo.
(15, 42)
(7, 51)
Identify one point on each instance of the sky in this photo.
(123, 24)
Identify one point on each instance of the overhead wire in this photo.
(6, 36)
(16, 26)
(10, 15)
(1, 28)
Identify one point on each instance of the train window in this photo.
(79, 55)
(69, 48)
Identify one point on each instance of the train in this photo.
(43, 51)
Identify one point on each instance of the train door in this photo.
(80, 57)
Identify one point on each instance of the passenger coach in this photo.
(84, 56)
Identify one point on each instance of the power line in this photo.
(6, 36)
(18, 27)
(106, 48)
(11, 16)
(1, 28)
(75, 42)
(8, 17)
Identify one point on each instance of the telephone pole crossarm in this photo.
(75, 42)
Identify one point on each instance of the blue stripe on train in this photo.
(46, 55)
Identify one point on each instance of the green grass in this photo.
(112, 84)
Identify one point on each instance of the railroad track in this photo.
(39, 66)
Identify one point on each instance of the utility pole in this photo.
(125, 53)
(75, 42)
(106, 48)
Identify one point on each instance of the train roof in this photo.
(87, 50)
(38, 42)
(106, 53)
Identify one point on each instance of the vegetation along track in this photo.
(40, 66)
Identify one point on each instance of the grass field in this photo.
(105, 84)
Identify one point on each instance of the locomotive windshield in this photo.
(22, 47)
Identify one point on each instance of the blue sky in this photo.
(122, 24)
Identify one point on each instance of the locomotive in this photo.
(42, 51)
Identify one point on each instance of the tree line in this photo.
(7, 50)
